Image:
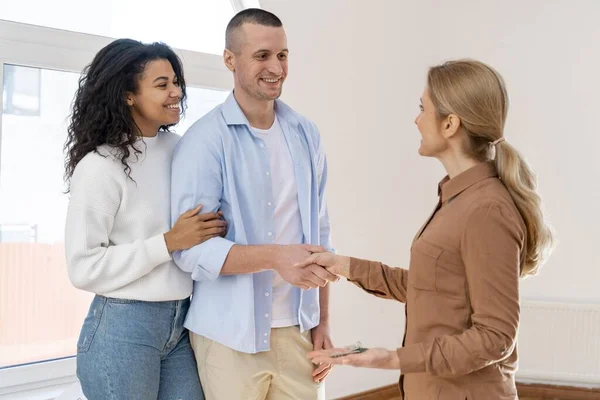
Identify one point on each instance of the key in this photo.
(353, 349)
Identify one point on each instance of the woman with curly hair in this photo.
(118, 243)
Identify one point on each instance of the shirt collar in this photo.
(449, 188)
(232, 112)
(234, 115)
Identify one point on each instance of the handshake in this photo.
(308, 266)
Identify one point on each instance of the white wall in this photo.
(358, 69)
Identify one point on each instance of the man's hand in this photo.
(321, 341)
(336, 264)
(306, 276)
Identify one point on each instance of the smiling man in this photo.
(254, 314)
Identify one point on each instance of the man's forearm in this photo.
(249, 259)
(324, 303)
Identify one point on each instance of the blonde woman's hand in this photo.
(336, 264)
(306, 277)
(371, 358)
(193, 228)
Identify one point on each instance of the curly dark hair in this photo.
(100, 114)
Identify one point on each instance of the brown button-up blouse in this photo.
(461, 293)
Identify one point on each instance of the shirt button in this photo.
(268, 173)
(267, 294)
(264, 341)
(267, 315)
(266, 334)
(262, 145)
(270, 234)
(269, 204)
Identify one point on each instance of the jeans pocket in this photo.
(90, 325)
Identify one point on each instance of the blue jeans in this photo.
(137, 350)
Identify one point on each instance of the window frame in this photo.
(49, 48)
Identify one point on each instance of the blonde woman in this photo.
(487, 230)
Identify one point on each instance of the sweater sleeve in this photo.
(95, 264)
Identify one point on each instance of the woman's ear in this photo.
(451, 125)
(129, 99)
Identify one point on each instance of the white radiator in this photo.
(559, 343)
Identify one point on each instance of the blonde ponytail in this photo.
(521, 182)
(476, 93)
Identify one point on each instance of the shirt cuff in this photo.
(359, 270)
(212, 256)
(412, 359)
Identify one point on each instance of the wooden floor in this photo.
(520, 398)
(526, 392)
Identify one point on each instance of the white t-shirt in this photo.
(288, 223)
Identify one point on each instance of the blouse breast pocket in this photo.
(435, 269)
(423, 261)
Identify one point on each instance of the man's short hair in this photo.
(248, 16)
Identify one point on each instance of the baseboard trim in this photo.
(557, 392)
(537, 391)
(381, 393)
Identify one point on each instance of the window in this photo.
(200, 101)
(18, 233)
(21, 91)
(32, 213)
(188, 24)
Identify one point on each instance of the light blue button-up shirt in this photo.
(221, 164)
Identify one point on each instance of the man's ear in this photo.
(228, 59)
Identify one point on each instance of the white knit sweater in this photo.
(114, 231)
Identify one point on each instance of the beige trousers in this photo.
(283, 373)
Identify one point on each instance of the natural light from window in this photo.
(197, 25)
